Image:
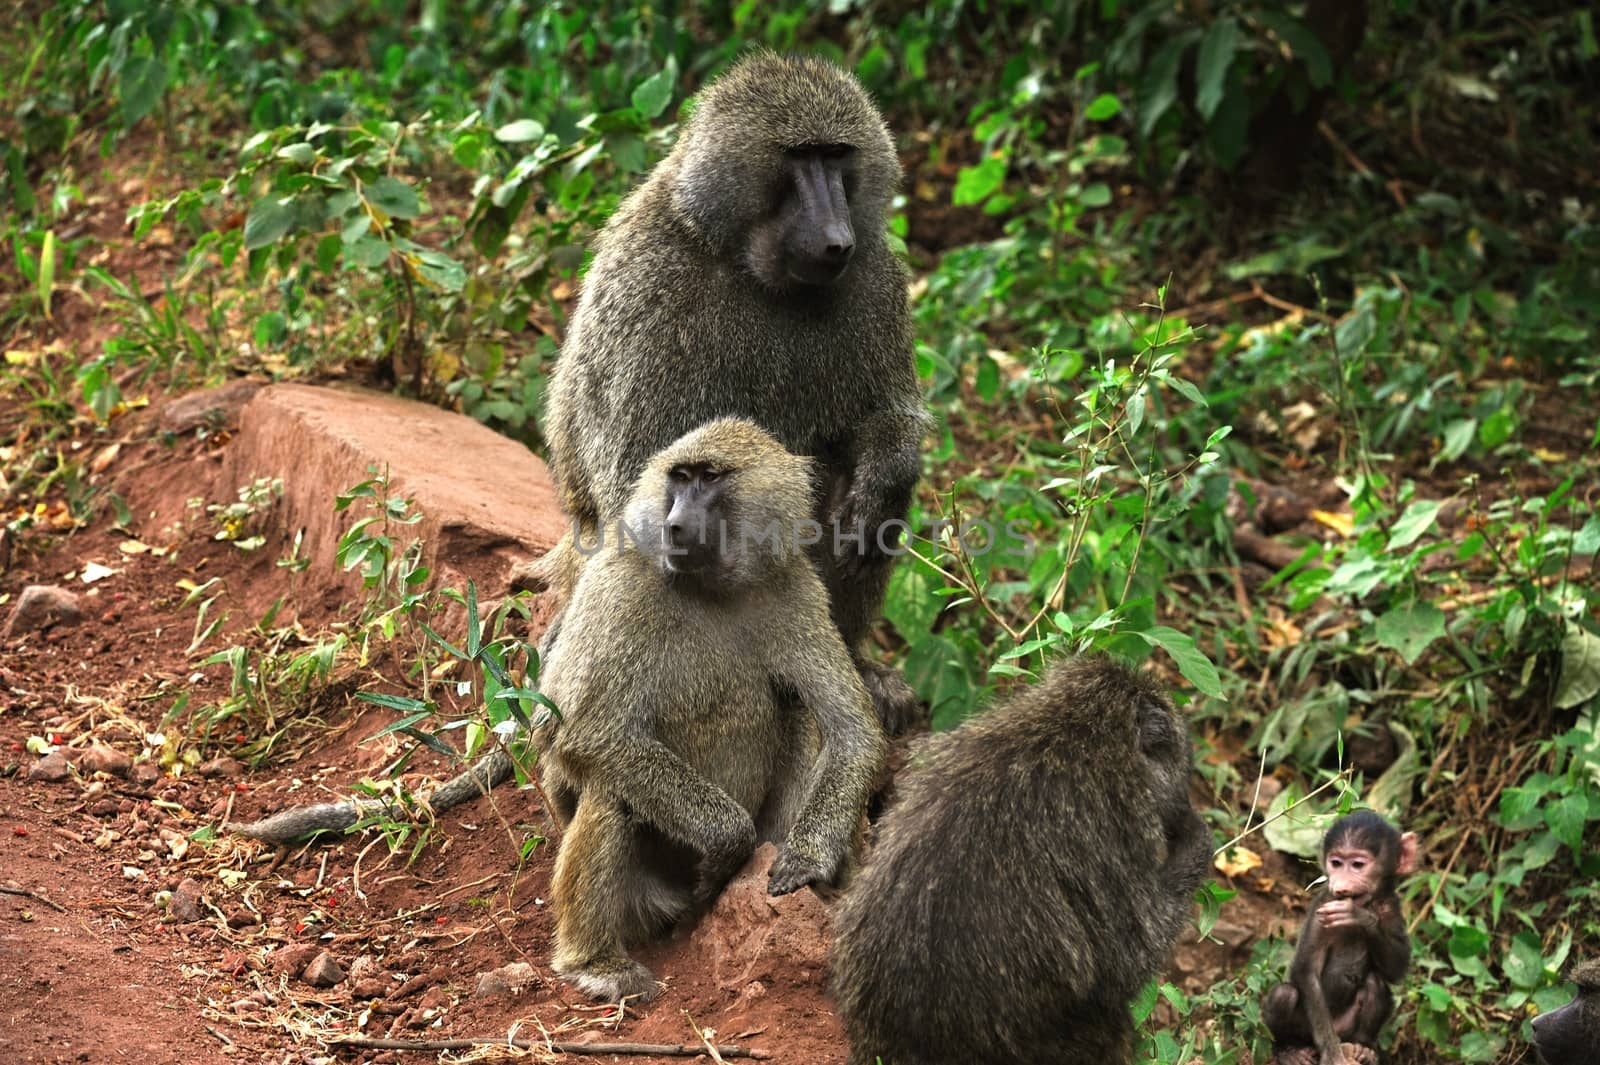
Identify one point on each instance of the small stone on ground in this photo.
(41, 606)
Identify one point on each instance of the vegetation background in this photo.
(1274, 322)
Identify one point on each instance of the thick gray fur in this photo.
(1036, 870)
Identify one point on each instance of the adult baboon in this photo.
(706, 702)
(1035, 872)
(1352, 947)
(1570, 1034)
(749, 276)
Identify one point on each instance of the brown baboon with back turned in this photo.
(706, 703)
(1035, 872)
(749, 276)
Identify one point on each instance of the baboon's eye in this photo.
(710, 475)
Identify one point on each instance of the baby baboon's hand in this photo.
(792, 871)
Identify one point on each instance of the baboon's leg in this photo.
(1373, 1004)
(600, 889)
(1281, 1013)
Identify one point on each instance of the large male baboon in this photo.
(749, 276)
(706, 703)
(1035, 872)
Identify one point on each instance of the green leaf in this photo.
(1580, 667)
(977, 183)
(911, 605)
(393, 197)
(369, 252)
(520, 131)
(1525, 962)
(1467, 941)
(987, 381)
(1195, 667)
(442, 642)
(945, 677)
(1410, 628)
(1144, 1003)
(300, 152)
(1226, 133)
(1096, 195)
(1566, 818)
(1303, 43)
(1356, 331)
(1211, 67)
(652, 95)
(438, 269)
(1481, 1048)
(1158, 88)
(144, 79)
(1520, 808)
(1417, 519)
(270, 218)
(1103, 107)
(1458, 436)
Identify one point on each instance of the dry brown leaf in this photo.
(104, 457)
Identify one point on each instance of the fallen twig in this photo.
(6, 889)
(664, 1050)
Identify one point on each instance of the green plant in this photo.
(1060, 559)
(503, 706)
(239, 523)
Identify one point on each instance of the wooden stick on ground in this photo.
(9, 889)
(664, 1050)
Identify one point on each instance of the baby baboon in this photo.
(1570, 1035)
(1035, 872)
(749, 276)
(706, 702)
(1352, 947)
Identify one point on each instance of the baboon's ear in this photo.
(1407, 863)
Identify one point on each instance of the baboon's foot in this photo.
(1356, 1054)
(895, 704)
(610, 979)
(1297, 1056)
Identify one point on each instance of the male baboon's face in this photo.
(809, 238)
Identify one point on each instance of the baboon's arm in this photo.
(853, 746)
(663, 789)
(888, 461)
(1387, 943)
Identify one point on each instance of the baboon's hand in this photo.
(867, 513)
(722, 861)
(792, 871)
